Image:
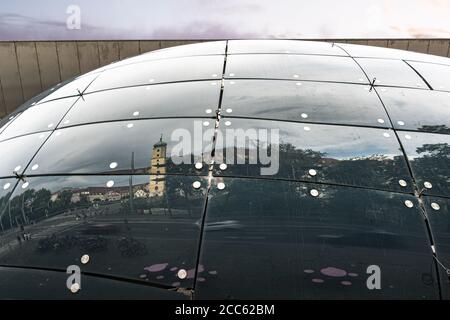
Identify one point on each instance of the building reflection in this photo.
(157, 185)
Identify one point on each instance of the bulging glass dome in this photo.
(241, 169)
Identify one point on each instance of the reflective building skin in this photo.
(362, 179)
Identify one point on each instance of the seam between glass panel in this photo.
(151, 60)
(229, 116)
(96, 275)
(322, 183)
(72, 95)
(240, 78)
(210, 171)
(402, 59)
(135, 120)
(418, 73)
(289, 54)
(310, 122)
(43, 143)
(105, 121)
(338, 46)
(328, 81)
(152, 84)
(206, 175)
(417, 194)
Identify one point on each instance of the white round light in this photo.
(198, 165)
(435, 206)
(74, 288)
(85, 259)
(409, 203)
(182, 274)
(113, 165)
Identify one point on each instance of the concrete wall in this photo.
(27, 68)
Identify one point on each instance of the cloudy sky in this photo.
(215, 19)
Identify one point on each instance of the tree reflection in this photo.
(435, 129)
(372, 170)
(433, 164)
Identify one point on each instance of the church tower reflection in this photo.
(157, 185)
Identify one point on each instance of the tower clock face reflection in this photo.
(240, 169)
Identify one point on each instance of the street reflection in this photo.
(296, 246)
(123, 228)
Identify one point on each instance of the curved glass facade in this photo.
(252, 169)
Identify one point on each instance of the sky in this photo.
(220, 19)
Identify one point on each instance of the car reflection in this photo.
(220, 225)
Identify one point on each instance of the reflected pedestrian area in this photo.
(141, 227)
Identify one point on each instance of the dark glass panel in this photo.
(41, 117)
(189, 50)
(304, 101)
(391, 73)
(140, 146)
(69, 88)
(139, 227)
(294, 67)
(17, 152)
(438, 212)
(429, 155)
(284, 46)
(5, 122)
(437, 75)
(310, 152)
(159, 71)
(423, 110)
(355, 50)
(26, 284)
(188, 99)
(266, 239)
